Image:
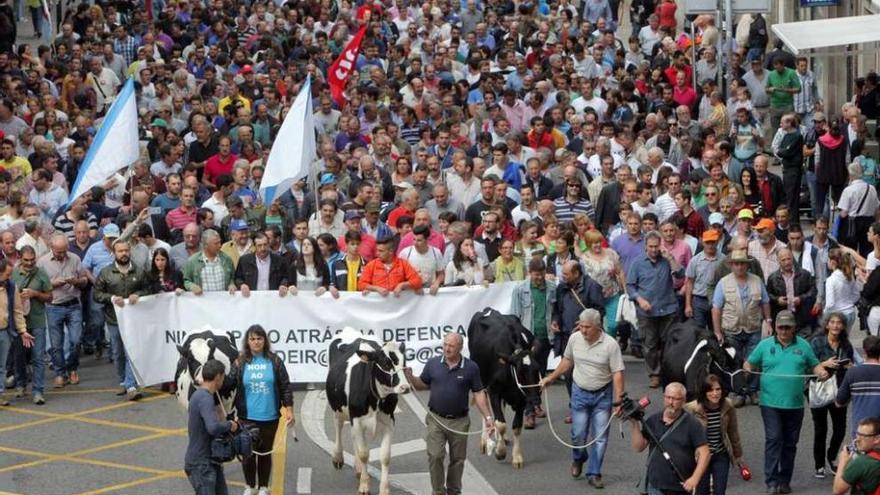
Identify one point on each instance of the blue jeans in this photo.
(120, 358)
(590, 411)
(719, 468)
(58, 317)
(745, 343)
(781, 430)
(702, 311)
(38, 360)
(94, 331)
(207, 478)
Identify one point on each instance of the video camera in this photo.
(630, 409)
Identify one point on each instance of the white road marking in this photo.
(314, 407)
(304, 480)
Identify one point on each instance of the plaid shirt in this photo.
(126, 48)
(213, 277)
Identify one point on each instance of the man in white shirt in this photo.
(105, 83)
(528, 207)
(588, 99)
(666, 202)
(426, 259)
(217, 201)
(463, 186)
(858, 204)
(650, 35)
(49, 197)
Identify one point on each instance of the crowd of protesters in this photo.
(476, 142)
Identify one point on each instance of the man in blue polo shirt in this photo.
(782, 397)
(451, 379)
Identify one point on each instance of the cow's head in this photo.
(388, 364)
(198, 349)
(725, 361)
(522, 366)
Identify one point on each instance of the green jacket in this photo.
(192, 270)
(112, 282)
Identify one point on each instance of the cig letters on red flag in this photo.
(340, 71)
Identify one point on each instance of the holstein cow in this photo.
(692, 352)
(363, 381)
(501, 346)
(196, 350)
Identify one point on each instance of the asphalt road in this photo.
(87, 440)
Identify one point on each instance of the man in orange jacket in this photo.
(388, 273)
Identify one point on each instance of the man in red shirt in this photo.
(184, 214)
(539, 137)
(367, 249)
(389, 274)
(409, 202)
(219, 164)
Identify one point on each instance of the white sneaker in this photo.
(248, 491)
(263, 491)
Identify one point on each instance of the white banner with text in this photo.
(300, 327)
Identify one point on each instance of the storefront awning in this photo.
(800, 37)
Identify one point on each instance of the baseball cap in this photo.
(353, 215)
(373, 207)
(238, 224)
(785, 318)
(159, 123)
(247, 69)
(711, 235)
(716, 219)
(738, 256)
(403, 185)
(766, 223)
(111, 231)
(328, 179)
(818, 117)
(745, 213)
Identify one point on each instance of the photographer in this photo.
(681, 436)
(858, 471)
(205, 423)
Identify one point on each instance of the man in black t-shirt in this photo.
(682, 436)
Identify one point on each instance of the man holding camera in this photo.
(598, 374)
(205, 423)
(678, 434)
(859, 470)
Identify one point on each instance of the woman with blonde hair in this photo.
(509, 268)
(603, 265)
(582, 225)
(552, 230)
(842, 288)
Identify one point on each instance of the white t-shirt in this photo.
(427, 264)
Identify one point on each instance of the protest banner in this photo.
(300, 327)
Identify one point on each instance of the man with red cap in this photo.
(699, 274)
(765, 247)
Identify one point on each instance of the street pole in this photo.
(728, 29)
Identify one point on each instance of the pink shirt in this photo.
(435, 239)
(681, 252)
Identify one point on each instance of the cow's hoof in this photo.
(337, 464)
(482, 447)
(500, 455)
(517, 464)
(363, 492)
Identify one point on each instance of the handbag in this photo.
(822, 393)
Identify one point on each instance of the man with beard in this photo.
(117, 284)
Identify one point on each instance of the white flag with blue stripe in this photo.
(115, 147)
(294, 148)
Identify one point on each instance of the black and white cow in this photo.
(363, 380)
(196, 350)
(501, 346)
(692, 352)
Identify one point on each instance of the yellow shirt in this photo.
(18, 164)
(226, 101)
(353, 267)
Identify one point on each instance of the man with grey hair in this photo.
(192, 242)
(857, 206)
(649, 285)
(684, 440)
(209, 270)
(442, 202)
(596, 363)
(656, 161)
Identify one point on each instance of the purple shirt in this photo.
(628, 250)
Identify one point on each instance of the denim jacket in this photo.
(521, 303)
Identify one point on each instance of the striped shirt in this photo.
(713, 431)
(566, 211)
(805, 101)
(65, 225)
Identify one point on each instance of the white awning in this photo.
(828, 33)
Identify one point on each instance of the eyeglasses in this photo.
(866, 435)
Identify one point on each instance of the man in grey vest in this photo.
(740, 305)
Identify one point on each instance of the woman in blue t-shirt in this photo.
(263, 395)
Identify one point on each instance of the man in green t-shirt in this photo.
(859, 474)
(782, 397)
(36, 290)
(782, 84)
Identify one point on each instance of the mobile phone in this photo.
(155, 210)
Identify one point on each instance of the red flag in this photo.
(339, 72)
